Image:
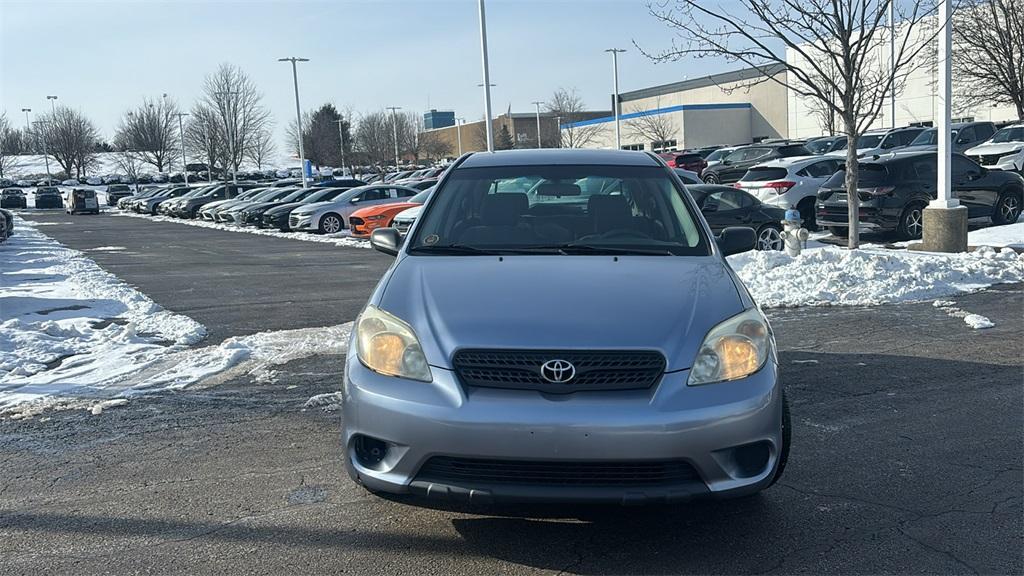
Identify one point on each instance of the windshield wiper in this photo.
(576, 248)
(454, 249)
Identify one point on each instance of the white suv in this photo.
(790, 182)
(1004, 151)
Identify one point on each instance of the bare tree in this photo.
(71, 140)
(373, 137)
(10, 147)
(988, 53)
(433, 147)
(847, 35)
(128, 159)
(262, 148)
(204, 137)
(237, 106)
(651, 127)
(151, 130)
(568, 105)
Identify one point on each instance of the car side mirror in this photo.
(388, 240)
(735, 239)
(726, 161)
(709, 208)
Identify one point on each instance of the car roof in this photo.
(792, 161)
(557, 156)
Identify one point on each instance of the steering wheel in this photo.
(624, 233)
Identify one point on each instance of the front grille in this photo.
(446, 469)
(401, 226)
(293, 221)
(354, 221)
(594, 370)
(988, 159)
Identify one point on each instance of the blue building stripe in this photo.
(655, 111)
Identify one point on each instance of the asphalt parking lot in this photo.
(906, 456)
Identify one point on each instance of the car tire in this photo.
(911, 221)
(787, 435)
(838, 231)
(1007, 208)
(331, 223)
(807, 214)
(712, 178)
(769, 238)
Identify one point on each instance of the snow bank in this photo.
(869, 276)
(339, 239)
(66, 324)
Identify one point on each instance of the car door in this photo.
(739, 164)
(973, 188)
(726, 207)
(368, 197)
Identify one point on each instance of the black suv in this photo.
(894, 190)
(117, 191)
(735, 165)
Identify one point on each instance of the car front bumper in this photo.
(701, 426)
(301, 223)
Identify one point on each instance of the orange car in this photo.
(365, 220)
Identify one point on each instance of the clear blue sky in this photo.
(104, 57)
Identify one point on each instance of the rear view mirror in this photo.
(735, 239)
(388, 240)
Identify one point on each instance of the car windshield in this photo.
(421, 197)
(559, 210)
(1010, 134)
(870, 140)
(717, 155)
(820, 146)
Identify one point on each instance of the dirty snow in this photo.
(329, 402)
(870, 276)
(976, 321)
(339, 239)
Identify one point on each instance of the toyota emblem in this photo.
(557, 371)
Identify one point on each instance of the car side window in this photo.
(822, 169)
(962, 167)
(966, 135)
(724, 200)
(984, 131)
(924, 170)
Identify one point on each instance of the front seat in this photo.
(609, 213)
(499, 221)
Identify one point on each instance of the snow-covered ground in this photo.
(1007, 235)
(74, 336)
(339, 239)
(871, 275)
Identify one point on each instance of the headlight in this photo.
(388, 345)
(735, 348)
(378, 217)
(1011, 153)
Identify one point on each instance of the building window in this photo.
(633, 147)
(664, 146)
(964, 119)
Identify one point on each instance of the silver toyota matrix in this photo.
(562, 326)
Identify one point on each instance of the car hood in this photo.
(218, 204)
(383, 209)
(994, 148)
(260, 206)
(410, 214)
(663, 303)
(284, 208)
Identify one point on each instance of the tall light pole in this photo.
(537, 103)
(181, 134)
(27, 129)
(394, 127)
(458, 132)
(53, 104)
(944, 221)
(615, 101)
(46, 156)
(892, 61)
(487, 77)
(341, 138)
(298, 115)
(230, 130)
(558, 125)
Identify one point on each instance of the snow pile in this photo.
(1006, 235)
(339, 239)
(329, 402)
(869, 276)
(976, 321)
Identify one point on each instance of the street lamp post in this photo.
(46, 156)
(27, 129)
(394, 128)
(181, 134)
(944, 221)
(53, 104)
(892, 62)
(487, 77)
(341, 139)
(615, 101)
(558, 126)
(298, 115)
(229, 129)
(458, 132)
(537, 103)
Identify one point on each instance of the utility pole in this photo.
(53, 104)
(615, 101)
(458, 132)
(181, 133)
(298, 116)
(28, 130)
(537, 103)
(229, 129)
(558, 125)
(394, 127)
(892, 62)
(341, 140)
(487, 77)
